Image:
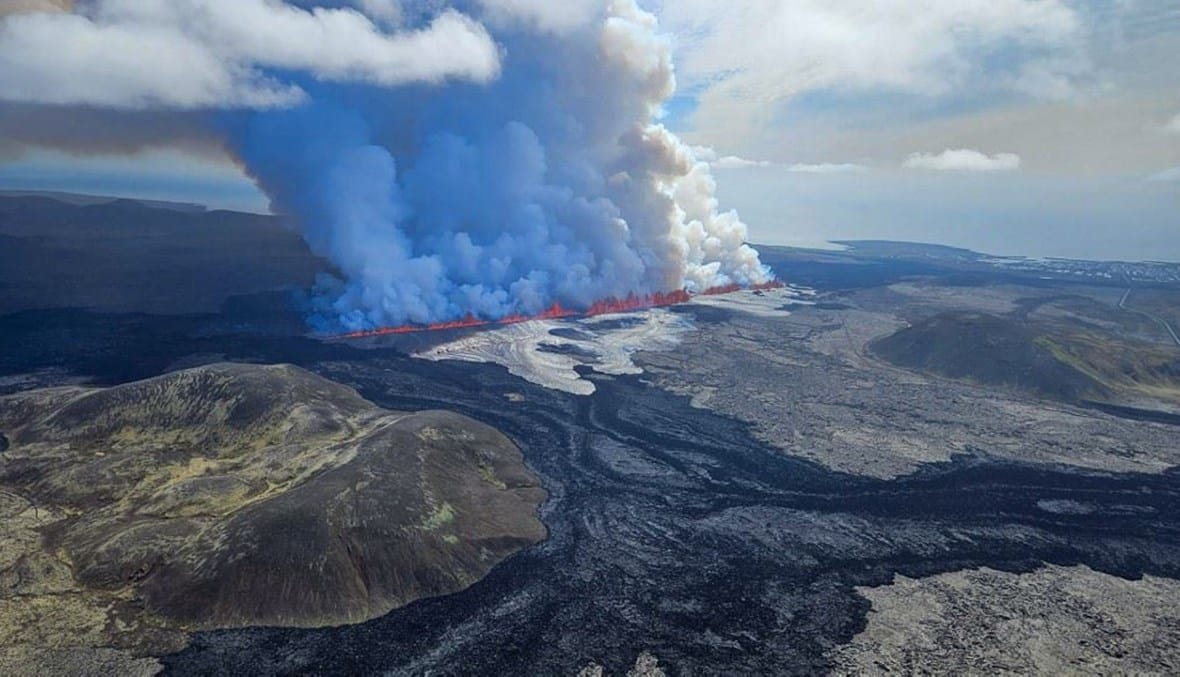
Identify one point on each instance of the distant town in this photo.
(1147, 272)
(1104, 272)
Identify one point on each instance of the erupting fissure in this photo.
(462, 160)
(549, 186)
(609, 306)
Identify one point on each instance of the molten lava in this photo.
(557, 311)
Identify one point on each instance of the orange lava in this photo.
(557, 311)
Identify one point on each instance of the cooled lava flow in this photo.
(557, 311)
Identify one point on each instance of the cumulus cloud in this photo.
(751, 55)
(191, 54)
(963, 160)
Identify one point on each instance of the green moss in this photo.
(488, 475)
(1063, 355)
(443, 514)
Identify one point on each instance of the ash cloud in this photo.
(542, 177)
(87, 131)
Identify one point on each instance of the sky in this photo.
(1016, 127)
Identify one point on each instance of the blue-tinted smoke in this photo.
(550, 184)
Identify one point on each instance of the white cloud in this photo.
(555, 15)
(751, 55)
(704, 153)
(717, 161)
(735, 162)
(963, 160)
(1173, 125)
(1172, 174)
(193, 54)
(828, 168)
(387, 11)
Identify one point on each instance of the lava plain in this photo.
(671, 529)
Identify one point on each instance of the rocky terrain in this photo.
(810, 383)
(1052, 621)
(234, 495)
(673, 528)
(548, 352)
(673, 532)
(137, 256)
(986, 349)
(646, 665)
(763, 495)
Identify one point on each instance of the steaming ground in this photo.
(550, 352)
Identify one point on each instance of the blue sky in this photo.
(1039, 127)
(1006, 214)
(1060, 119)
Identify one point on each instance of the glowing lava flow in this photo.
(557, 311)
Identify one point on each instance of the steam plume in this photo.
(489, 189)
(552, 183)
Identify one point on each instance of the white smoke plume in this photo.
(512, 178)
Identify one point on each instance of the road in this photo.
(1158, 320)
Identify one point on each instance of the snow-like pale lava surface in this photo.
(547, 352)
